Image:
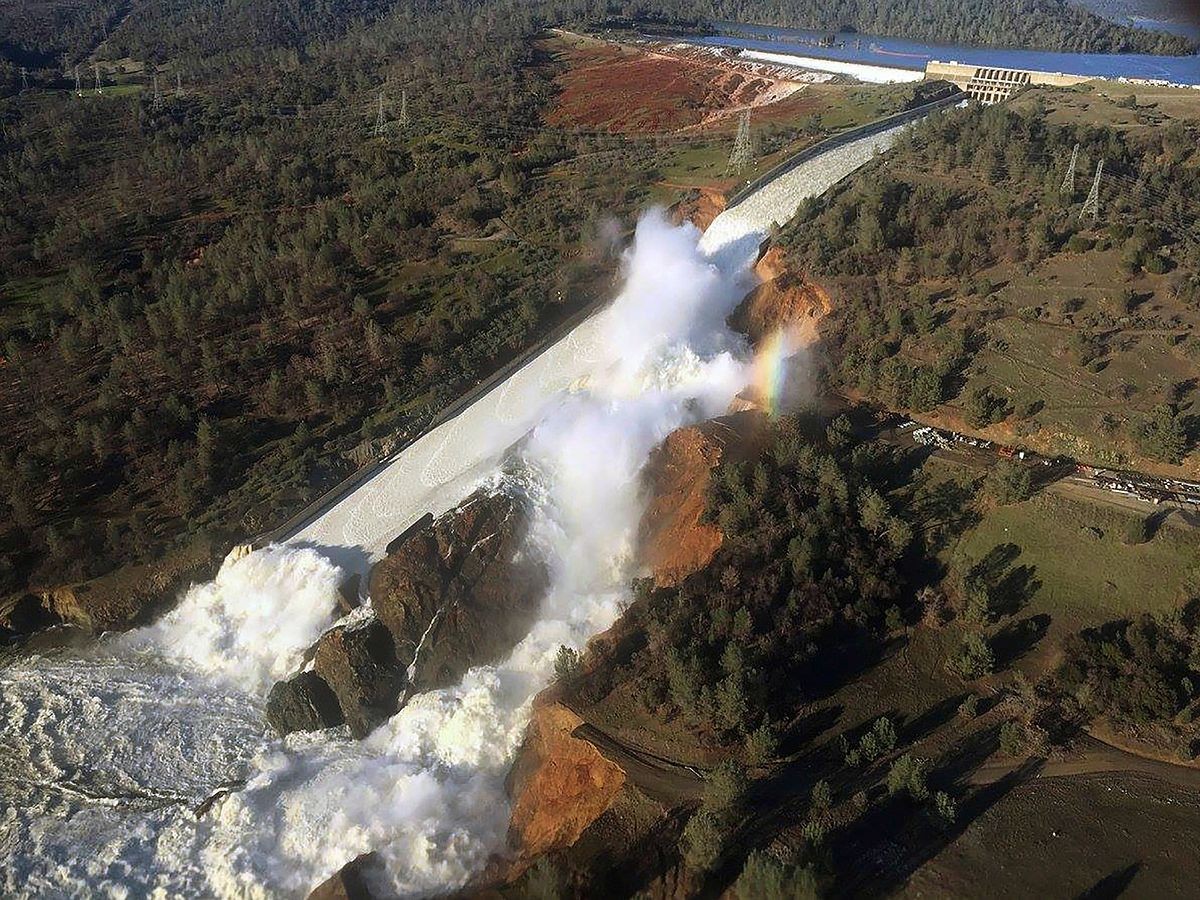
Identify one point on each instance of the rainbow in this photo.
(770, 370)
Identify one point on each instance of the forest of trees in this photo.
(906, 241)
(1139, 672)
(811, 558)
(211, 301)
(1042, 24)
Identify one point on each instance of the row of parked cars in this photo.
(1131, 484)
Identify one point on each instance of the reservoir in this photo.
(899, 53)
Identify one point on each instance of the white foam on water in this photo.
(426, 789)
(104, 755)
(248, 627)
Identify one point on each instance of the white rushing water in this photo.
(105, 754)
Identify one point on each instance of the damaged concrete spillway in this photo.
(437, 471)
(105, 755)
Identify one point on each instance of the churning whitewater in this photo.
(426, 789)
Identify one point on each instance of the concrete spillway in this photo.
(437, 471)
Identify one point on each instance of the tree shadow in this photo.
(931, 719)
(1016, 639)
(1156, 520)
(806, 728)
(876, 858)
(1113, 884)
(1015, 589)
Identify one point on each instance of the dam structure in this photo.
(440, 469)
(986, 84)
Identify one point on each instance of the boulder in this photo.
(358, 663)
(350, 882)
(303, 702)
(459, 591)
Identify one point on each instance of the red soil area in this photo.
(629, 90)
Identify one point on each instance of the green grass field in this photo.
(1081, 568)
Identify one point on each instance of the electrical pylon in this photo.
(24, 79)
(743, 148)
(1068, 183)
(96, 72)
(403, 120)
(156, 102)
(178, 85)
(78, 84)
(1091, 206)
(380, 123)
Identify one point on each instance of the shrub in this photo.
(765, 878)
(945, 810)
(1013, 738)
(1138, 531)
(702, 841)
(566, 663)
(761, 744)
(975, 657)
(814, 833)
(984, 406)
(969, 708)
(822, 796)
(1009, 482)
(908, 775)
(724, 787)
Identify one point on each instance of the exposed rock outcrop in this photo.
(460, 592)
(674, 540)
(350, 882)
(699, 206)
(117, 601)
(559, 784)
(358, 662)
(452, 593)
(783, 301)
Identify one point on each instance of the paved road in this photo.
(436, 472)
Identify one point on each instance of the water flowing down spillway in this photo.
(105, 754)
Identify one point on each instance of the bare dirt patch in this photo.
(654, 89)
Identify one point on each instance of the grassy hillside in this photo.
(969, 287)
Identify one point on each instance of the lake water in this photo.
(905, 54)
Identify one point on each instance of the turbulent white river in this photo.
(106, 753)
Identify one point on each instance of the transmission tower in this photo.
(743, 148)
(380, 123)
(178, 85)
(78, 84)
(1068, 184)
(403, 120)
(1091, 206)
(156, 102)
(24, 79)
(96, 72)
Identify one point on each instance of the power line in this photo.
(1068, 184)
(742, 156)
(380, 123)
(1091, 206)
